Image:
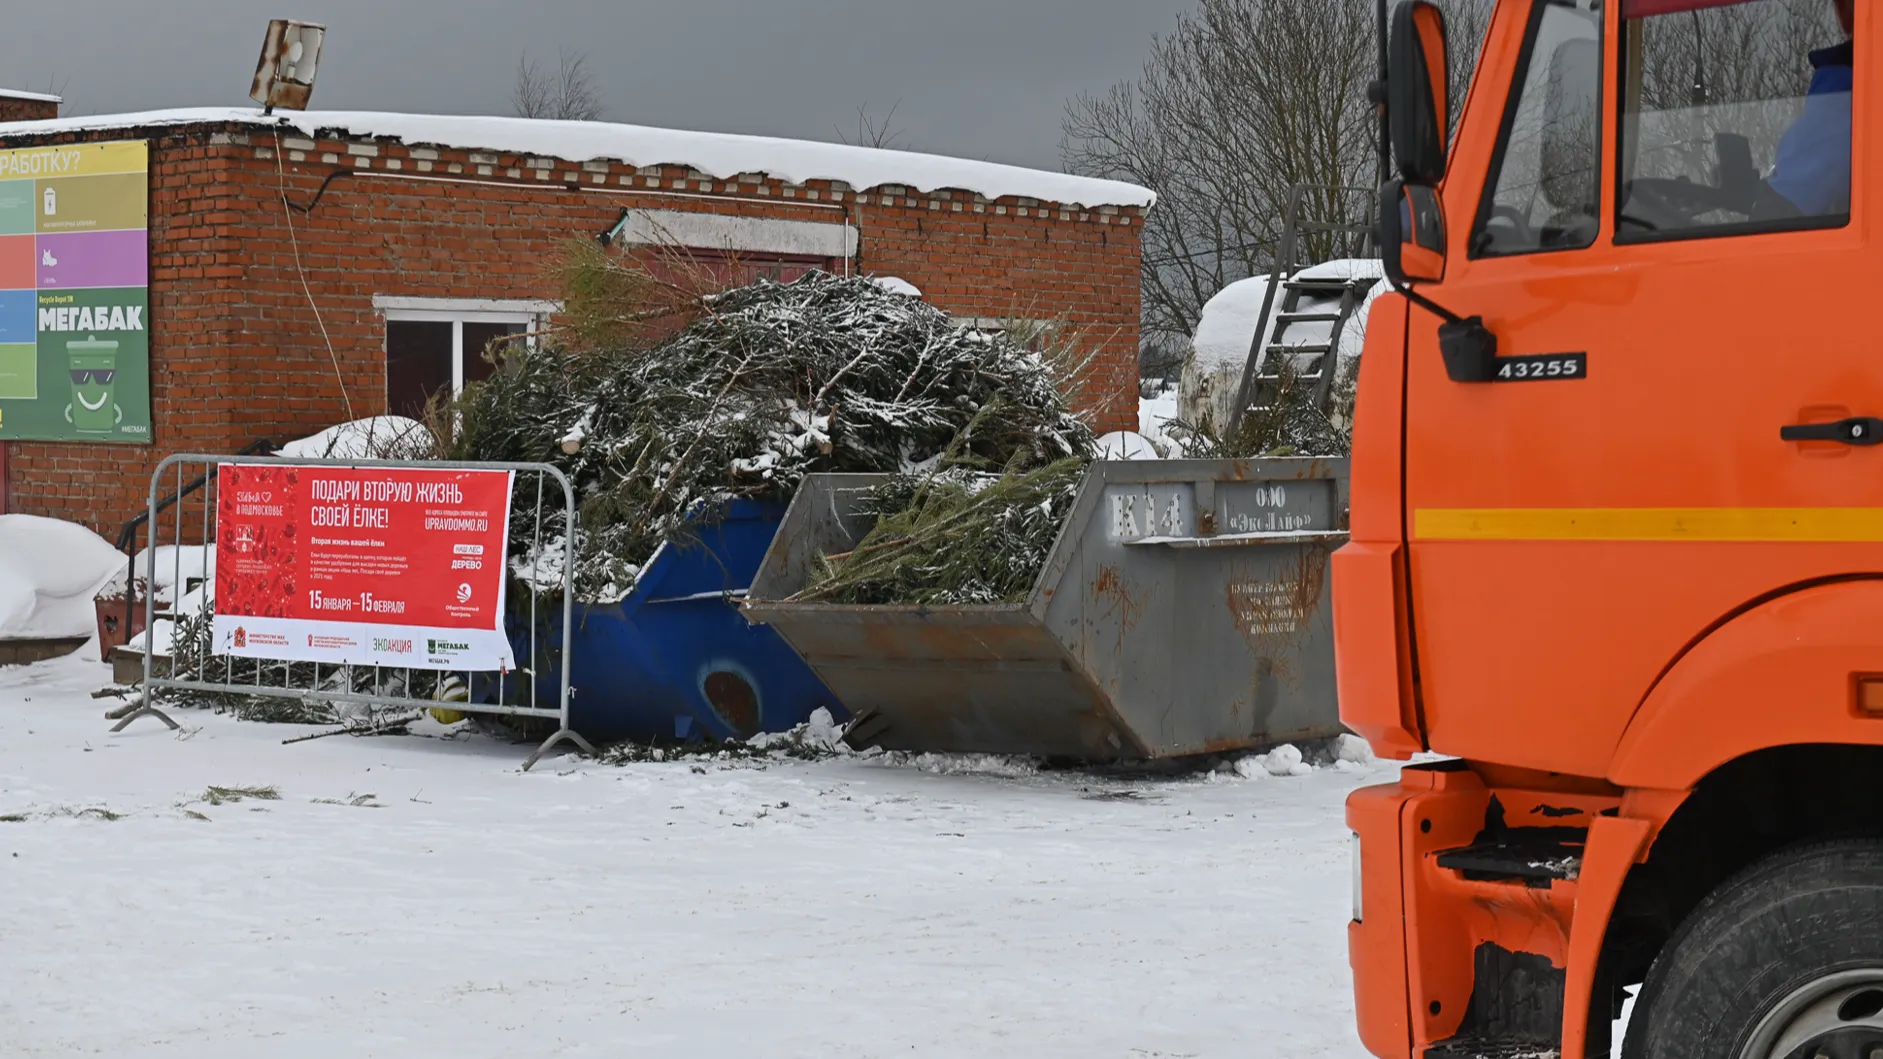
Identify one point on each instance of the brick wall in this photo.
(13, 108)
(238, 352)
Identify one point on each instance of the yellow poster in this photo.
(75, 292)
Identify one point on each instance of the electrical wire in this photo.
(287, 213)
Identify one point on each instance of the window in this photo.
(435, 346)
(1735, 119)
(1545, 189)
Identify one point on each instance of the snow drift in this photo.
(49, 572)
(377, 438)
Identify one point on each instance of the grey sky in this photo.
(976, 78)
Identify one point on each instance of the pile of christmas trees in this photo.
(763, 385)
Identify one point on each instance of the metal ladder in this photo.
(1261, 373)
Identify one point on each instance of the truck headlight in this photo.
(1357, 907)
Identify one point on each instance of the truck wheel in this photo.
(1785, 961)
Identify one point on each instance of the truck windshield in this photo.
(1735, 119)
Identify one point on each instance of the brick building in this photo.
(27, 106)
(306, 269)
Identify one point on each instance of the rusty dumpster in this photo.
(1183, 610)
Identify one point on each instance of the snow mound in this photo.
(1284, 760)
(1352, 748)
(720, 155)
(897, 285)
(1127, 445)
(1226, 330)
(378, 438)
(187, 563)
(49, 572)
(819, 736)
(194, 603)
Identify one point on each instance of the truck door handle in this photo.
(1860, 430)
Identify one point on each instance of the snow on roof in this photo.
(722, 155)
(32, 97)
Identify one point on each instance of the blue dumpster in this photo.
(675, 660)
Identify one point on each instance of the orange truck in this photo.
(1617, 549)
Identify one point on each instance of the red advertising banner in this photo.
(362, 566)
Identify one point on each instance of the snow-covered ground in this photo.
(420, 896)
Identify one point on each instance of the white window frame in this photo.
(532, 314)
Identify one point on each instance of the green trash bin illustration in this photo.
(94, 364)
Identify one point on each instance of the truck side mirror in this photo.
(1418, 107)
(1411, 234)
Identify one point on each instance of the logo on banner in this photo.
(464, 593)
(245, 539)
(241, 636)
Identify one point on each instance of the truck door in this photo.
(1659, 227)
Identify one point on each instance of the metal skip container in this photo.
(674, 660)
(1183, 610)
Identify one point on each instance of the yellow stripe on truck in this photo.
(1797, 524)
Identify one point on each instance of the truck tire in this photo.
(1784, 961)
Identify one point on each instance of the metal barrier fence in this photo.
(371, 686)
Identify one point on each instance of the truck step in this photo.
(1491, 1048)
(1535, 861)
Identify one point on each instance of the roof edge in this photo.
(722, 156)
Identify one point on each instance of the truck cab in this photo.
(1616, 572)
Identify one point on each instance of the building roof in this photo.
(722, 155)
(31, 97)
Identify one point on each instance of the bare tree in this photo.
(567, 93)
(874, 132)
(1241, 102)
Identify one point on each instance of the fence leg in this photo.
(146, 710)
(562, 735)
